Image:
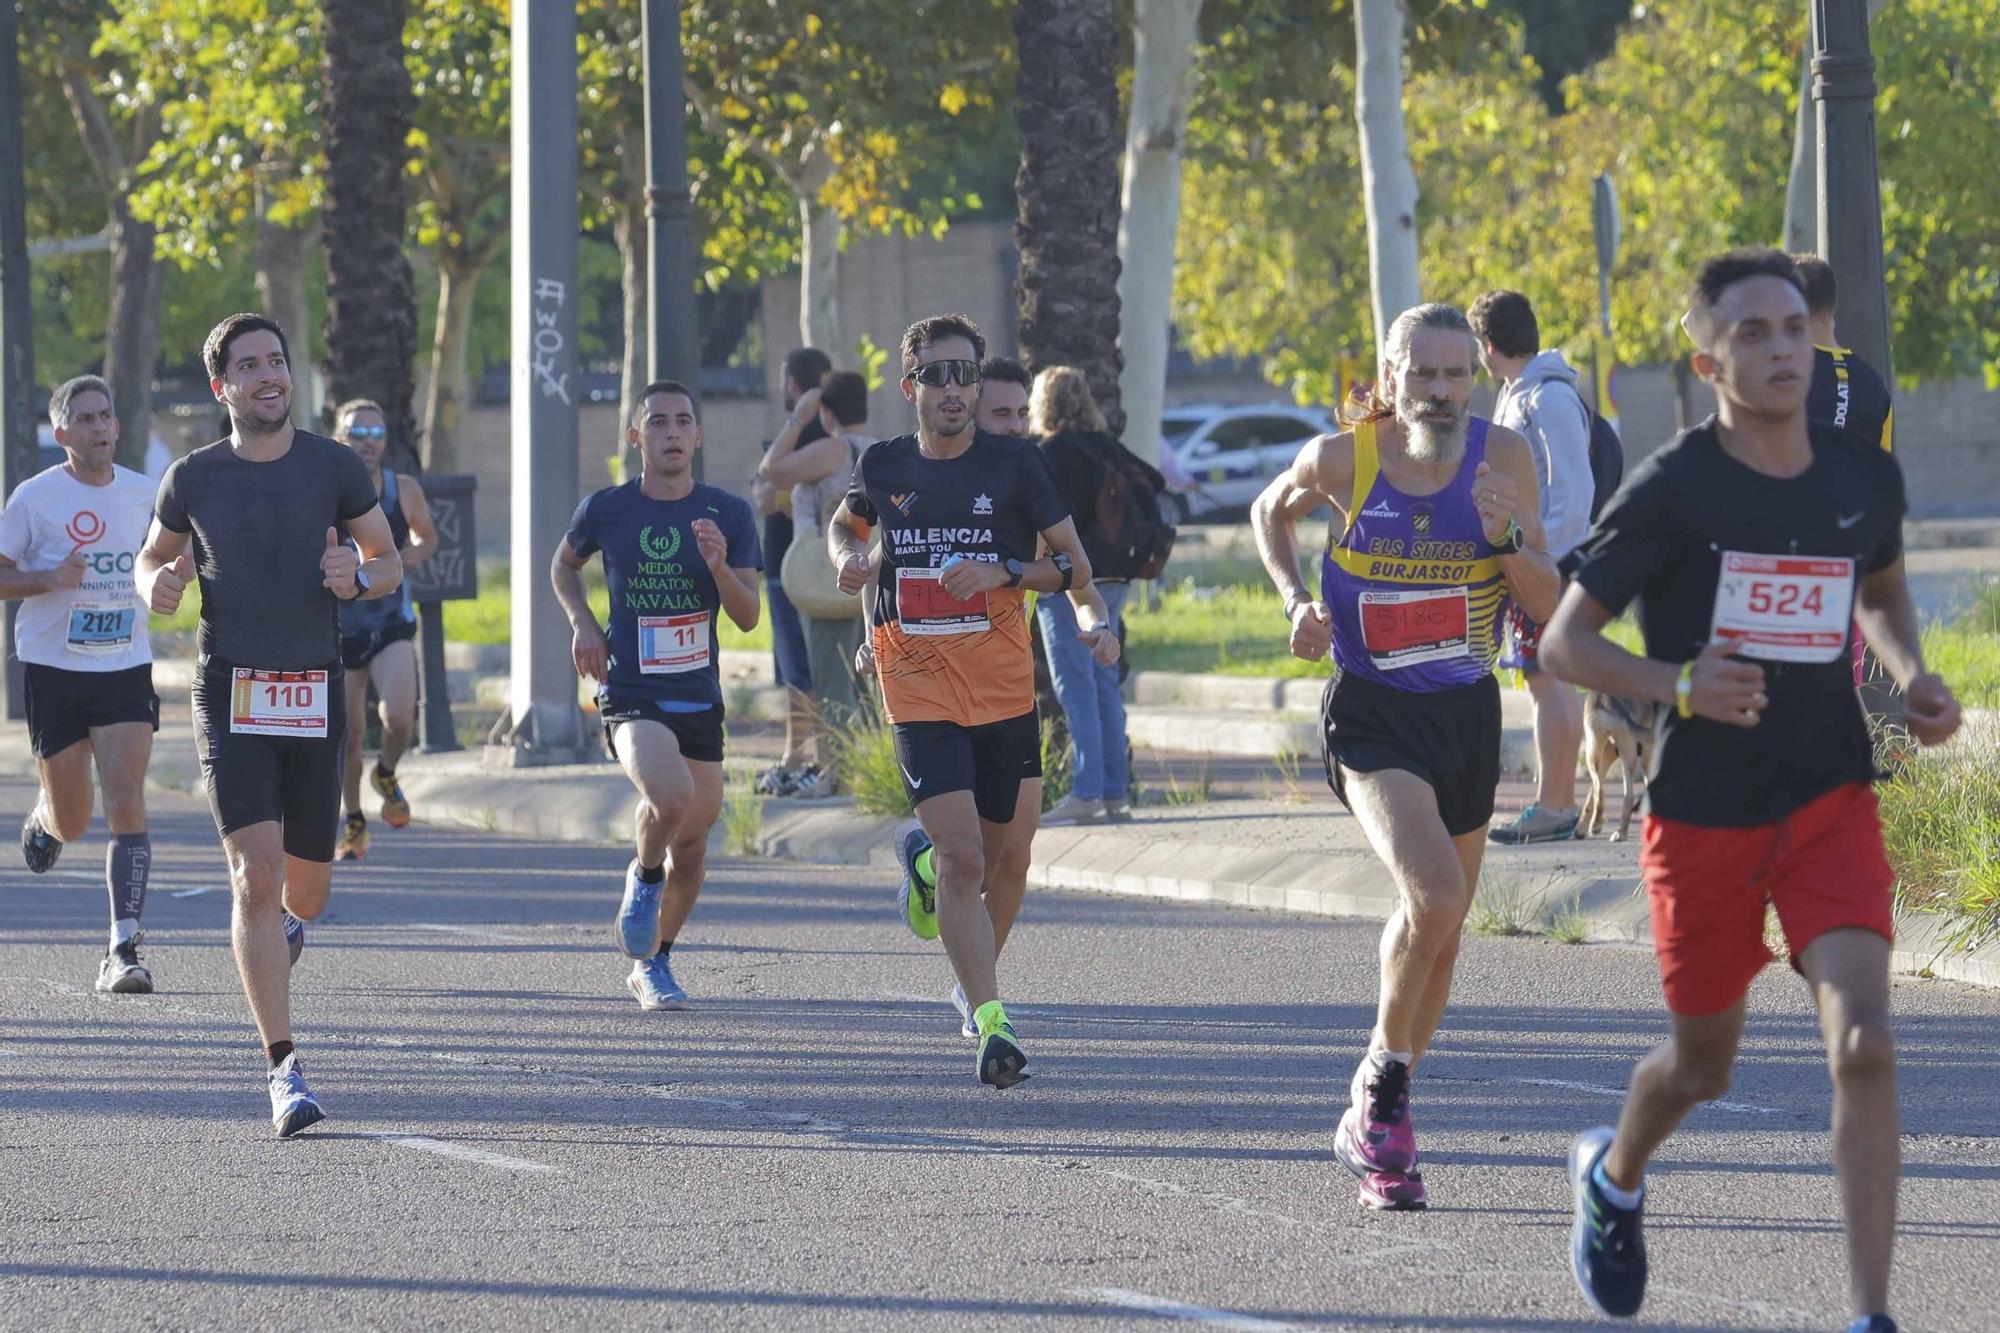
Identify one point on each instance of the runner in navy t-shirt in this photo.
(675, 552)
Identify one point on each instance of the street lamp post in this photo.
(1850, 200)
(17, 340)
(673, 343)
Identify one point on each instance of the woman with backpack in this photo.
(1114, 496)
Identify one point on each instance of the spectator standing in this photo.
(805, 367)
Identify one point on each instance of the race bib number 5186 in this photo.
(1784, 608)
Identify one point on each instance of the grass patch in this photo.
(742, 818)
(868, 768)
(1056, 770)
(1199, 789)
(1568, 924)
(488, 618)
(1941, 824)
(1966, 651)
(1502, 913)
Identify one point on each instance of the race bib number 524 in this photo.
(1784, 608)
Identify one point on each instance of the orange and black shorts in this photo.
(1822, 867)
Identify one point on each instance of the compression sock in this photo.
(276, 1052)
(652, 874)
(666, 947)
(128, 861)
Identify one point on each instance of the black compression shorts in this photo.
(1449, 738)
(292, 780)
(990, 761)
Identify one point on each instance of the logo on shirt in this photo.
(664, 548)
(1380, 509)
(1420, 520)
(85, 528)
(903, 502)
(1851, 519)
(982, 504)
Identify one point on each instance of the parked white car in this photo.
(1219, 458)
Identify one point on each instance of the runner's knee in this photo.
(960, 869)
(1701, 1078)
(257, 883)
(125, 810)
(1861, 1051)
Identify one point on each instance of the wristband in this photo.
(1293, 603)
(1510, 541)
(1684, 690)
(1062, 563)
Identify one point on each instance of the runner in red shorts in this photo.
(1748, 544)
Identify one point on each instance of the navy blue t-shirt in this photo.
(663, 598)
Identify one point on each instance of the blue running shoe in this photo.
(295, 937)
(39, 847)
(1874, 1323)
(293, 1107)
(1608, 1248)
(652, 984)
(917, 899)
(638, 925)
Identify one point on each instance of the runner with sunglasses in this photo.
(377, 639)
(961, 514)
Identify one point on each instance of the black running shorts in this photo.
(292, 780)
(358, 650)
(699, 734)
(990, 761)
(64, 705)
(1449, 738)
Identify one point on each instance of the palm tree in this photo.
(1068, 187)
(371, 326)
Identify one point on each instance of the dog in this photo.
(1616, 731)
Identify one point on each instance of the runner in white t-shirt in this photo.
(68, 538)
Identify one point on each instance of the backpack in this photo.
(1607, 463)
(1127, 535)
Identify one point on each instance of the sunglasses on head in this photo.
(937, 374)
(368, 432)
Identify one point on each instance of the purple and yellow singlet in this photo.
(1412, 584)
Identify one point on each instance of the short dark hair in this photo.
(926, 332)
(1817, 281)
(215, 351)
(662, 386)
(1724, 271)
(807, 367)
(845, 394)
(1007, 370)
(1507, 321)
(66, 392)
(353, 408)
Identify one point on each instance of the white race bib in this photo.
(670, 645)
(1401, 629)
(924, 607)
(1785, 608)
(100, 627)
(278, 703)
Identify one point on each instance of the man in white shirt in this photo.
(1538, 399)
(68, 539)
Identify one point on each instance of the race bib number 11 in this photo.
(1784, 608)
(670, 645)
(278, 703)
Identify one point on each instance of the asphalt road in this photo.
(513, 1143)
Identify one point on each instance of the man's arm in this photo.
(847, 547)
(1093, 617)
(589, 649)
(1504, 488)
(164, 569)
(1322, 474)
(16, 583)
(378, 559)
(417, 513)
(803, 466)
(1888, 620)
(1574, 649)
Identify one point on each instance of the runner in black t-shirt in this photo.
(263, 512)
(1745, 543)
(675, 552)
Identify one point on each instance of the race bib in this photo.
(924, 607)
(670, 645)
(1403, 628)
(100, 627)
(1784, 608)
(278, 703)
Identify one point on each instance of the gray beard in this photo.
(1432, 444)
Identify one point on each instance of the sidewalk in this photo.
(1297, 852)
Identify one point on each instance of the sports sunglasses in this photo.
(937, 374)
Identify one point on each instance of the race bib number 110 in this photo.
(278, 703)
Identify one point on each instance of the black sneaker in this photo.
(121, 972)
(1607, 1250)
(39, 847)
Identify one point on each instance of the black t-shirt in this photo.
(1848, 393)
(663, 597)
(940, 659)
(259, 531)
(778, 523)
(1711, 548)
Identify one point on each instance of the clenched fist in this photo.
(337, 564)
(714, 548)
(169, 584)
(68, 576)
(1497, 499)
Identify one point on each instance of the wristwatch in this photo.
(360, 585)
(1510, 541)
(1015, 569)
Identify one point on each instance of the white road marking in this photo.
(1741, 1108)
(1195, 1314)
(192, 893)
(463, 1152)
(477, 932)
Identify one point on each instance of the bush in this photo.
(869, 770)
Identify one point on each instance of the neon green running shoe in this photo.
(917, 899)
(1002, 1062)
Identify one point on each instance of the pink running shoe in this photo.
(1375, 1133)
(1394, 1191)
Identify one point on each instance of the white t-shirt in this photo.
(100, 626)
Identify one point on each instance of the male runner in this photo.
(675, 552)
(961, 512)
(67, 540)
(1438, 521)
(1846, 391)
(1745, 543)
(377, 637)
(263, 511)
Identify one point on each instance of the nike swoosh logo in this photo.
(913, 781)
(1852, 519)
